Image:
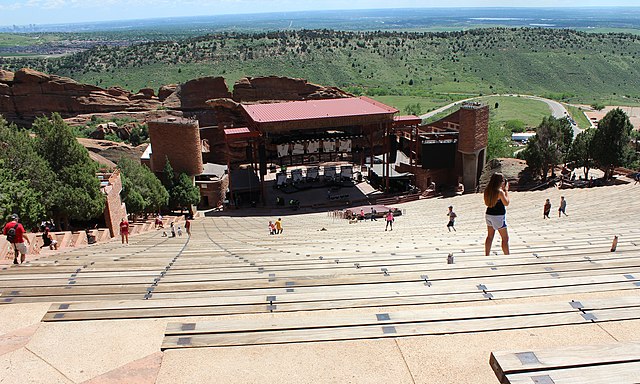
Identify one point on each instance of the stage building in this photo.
(318, 134)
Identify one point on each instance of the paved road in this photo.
(557, 109)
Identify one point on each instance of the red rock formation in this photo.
(113, 151)
(28, 94)
(166, 91)
(6, 76)
(282, 88)
(31, 94)
(194, 94)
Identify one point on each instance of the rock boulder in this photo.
(193, 94)
(276, 88)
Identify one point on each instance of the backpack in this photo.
(11, 234)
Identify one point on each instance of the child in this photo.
(452, 219)
(389, 218)
(563, 207)
(272, 228)
(547, 209)
(179, 231)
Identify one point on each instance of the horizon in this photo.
(62, 12)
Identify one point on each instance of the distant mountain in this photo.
(373, 19)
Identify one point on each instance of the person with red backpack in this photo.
(15, 235)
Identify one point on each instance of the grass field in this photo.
(578, 116)
(526, 110)
(427, 104)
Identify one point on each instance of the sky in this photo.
(24, 12)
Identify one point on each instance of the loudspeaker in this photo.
(248, 152)
(393, 148)
(262, 158)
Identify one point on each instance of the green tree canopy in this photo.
(580, 152)
(18, 196)
(184, 193)
(413, 109)
(549, 146)
(610, 144)
(498, 144)
(142, 190)
(19, 152)
(76, 189)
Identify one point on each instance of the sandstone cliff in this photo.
(27, 94)
(251, 89)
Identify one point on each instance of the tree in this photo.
(580, 152)
(168, 178)
(610, 144)
(142, 191)
(17, 196)
(498, 144)
(413, 109)
(21, 158)
(75, 188)
(549, 146)
(597, 106)
(515, 126)
(184, 193)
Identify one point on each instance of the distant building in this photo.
(522, 137)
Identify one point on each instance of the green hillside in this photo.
(562, 64)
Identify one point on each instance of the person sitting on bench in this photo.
(48, 240)
(91, 239)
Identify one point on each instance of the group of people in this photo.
(561, 209)
(275, 228)
(125, 226)
(388, 217)
(15, 234)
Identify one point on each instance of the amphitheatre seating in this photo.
(223, 332)
(322, 279)
(609, 363)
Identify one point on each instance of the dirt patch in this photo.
(632, 112)
(510, 168)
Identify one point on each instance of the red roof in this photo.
(406, 118)
(240, 133)
(236, 131)
(316, 109)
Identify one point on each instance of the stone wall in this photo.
(177, 139)
(214, 191)
(115, 209)
(474, 128)
(423, 177)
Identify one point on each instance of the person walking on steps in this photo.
(452, 219)
(496, 198)
(563, 207)
(373, 214)
(547, 209)
(187, 226)
(279, 226)
(124, 231)
(15, 236)
(389, 218)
